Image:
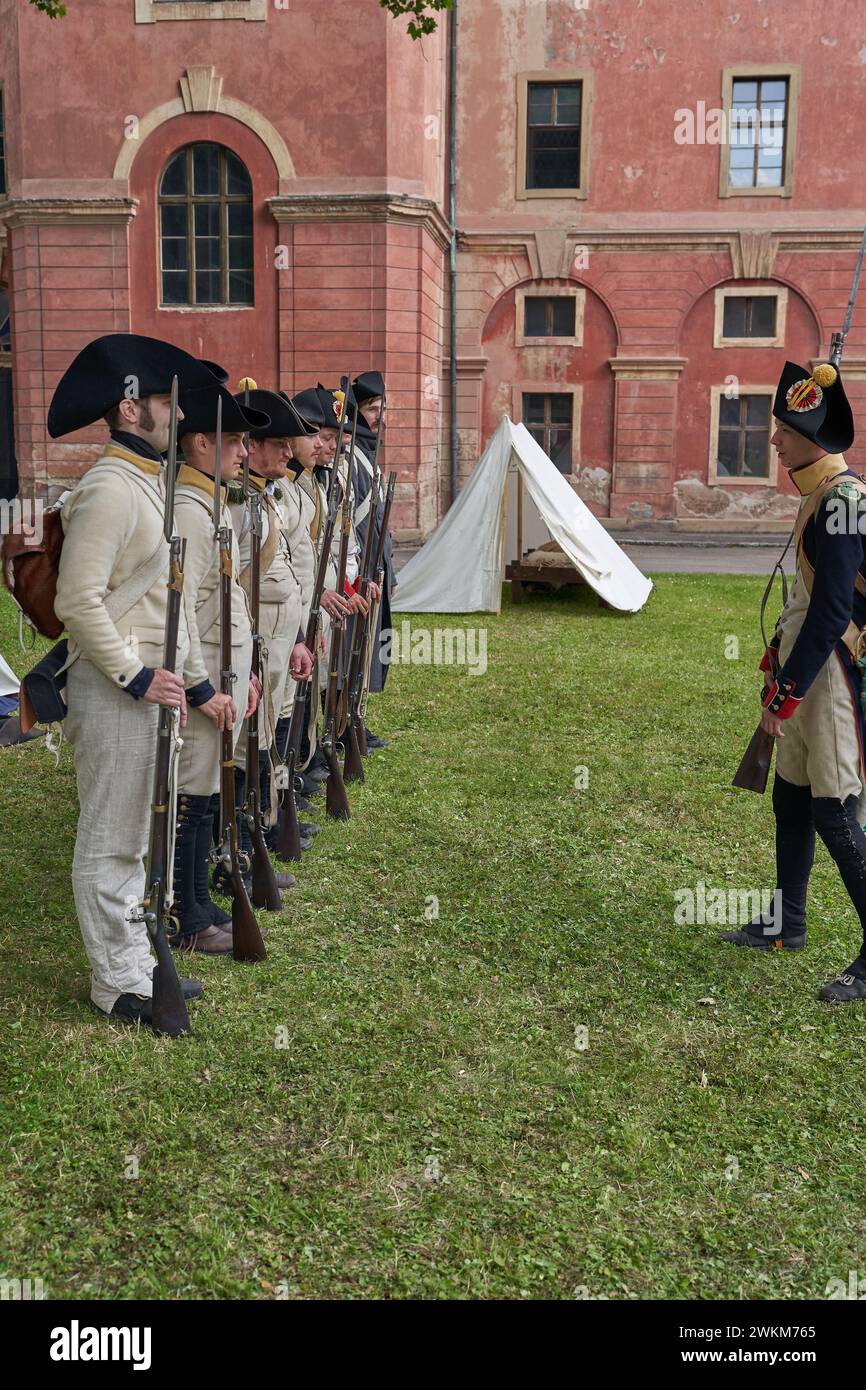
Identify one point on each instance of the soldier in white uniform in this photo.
(281, 608)
(322, 407)
(202, 925)
(113, 537)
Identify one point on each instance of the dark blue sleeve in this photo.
(140, 684)
(838, 557)
(200, 694)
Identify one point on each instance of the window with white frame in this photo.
(549, 316)
(741, 426)
(750, 316)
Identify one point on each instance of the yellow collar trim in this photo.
(117, 451)
(257, 482)
(812, 475)
(193, 477)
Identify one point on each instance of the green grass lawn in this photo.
(434, 1126)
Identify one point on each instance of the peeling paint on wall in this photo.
(695, 498)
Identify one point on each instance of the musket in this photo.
(169, 1007)
(837, 342)
(754, 769)
(265, 892)
(379, 571)
(247, 943)
(356, 737)
(288, 842)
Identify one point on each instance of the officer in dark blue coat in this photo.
(812, 669)
(368, 390)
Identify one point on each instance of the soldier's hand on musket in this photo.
(221, 711)
(772, 724)
(374, 591)
(166, 689)
(334, 604)
(254, 694)
(301, 662)
(358, 604)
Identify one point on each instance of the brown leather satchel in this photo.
(30, 569)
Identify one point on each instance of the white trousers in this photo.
(199, 771)
(114, 738)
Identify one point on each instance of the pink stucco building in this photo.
(654, 203)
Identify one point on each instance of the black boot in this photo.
(795, 853)
(204, 841)
(839, 828)
(189, 846)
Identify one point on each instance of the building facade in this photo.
(655, 204)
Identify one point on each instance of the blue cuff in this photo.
(140, 683)
(200, 694)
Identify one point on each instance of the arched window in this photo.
(206, 228)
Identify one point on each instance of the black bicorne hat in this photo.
(331, 398)
(815, 405)
(122, 365)
(368, 386)
(308, 406)
(284, 422)
(200, 414)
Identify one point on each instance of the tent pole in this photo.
(519, 516)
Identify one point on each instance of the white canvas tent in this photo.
(460, 567)
(9, 684)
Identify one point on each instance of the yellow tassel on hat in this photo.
(825, 375)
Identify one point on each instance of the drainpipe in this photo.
(452, 193)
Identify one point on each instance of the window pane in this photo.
(207, 287)
(726, 462)
(174, 178)
(568, 104)
(240, 219)
(560, 410)
(729, 412)
(207, 253)
(533, 410)
(742, 158)
(240, 287)
(769, 157)
(207, 219)
(553, 159)
(240, 253)
(174, 287)
(745, 93)
(755, 462)
(764, 317)
(237, 179)
(734, 325)
(173, 219)
(563, 317)
(205, 169)
(560, 449)
(758, 410)
(741, 178)
(774, 91)
(535, 317)
(174, 253)
(769, 178)
(540, 104)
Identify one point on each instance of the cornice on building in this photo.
(22, 212)
(363, 207)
